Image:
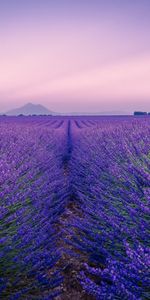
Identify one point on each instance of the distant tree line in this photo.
(141, 113)
(30, 115)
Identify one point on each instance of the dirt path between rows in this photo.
(70, 265)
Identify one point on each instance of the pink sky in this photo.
(81, 57)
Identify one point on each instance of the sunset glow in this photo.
(75, 55)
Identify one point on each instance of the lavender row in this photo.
(32, 199)
(111, 175)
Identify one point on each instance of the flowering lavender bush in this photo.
(111, 175)
(31, 203)
(74, 189)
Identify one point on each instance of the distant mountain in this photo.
(38, 109)
(29, 109)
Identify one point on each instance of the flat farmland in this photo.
(74, 208)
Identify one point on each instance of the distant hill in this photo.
(38, 109)
(29, 109)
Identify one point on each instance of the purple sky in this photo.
(75, 55)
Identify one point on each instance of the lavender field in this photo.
(74, 199)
